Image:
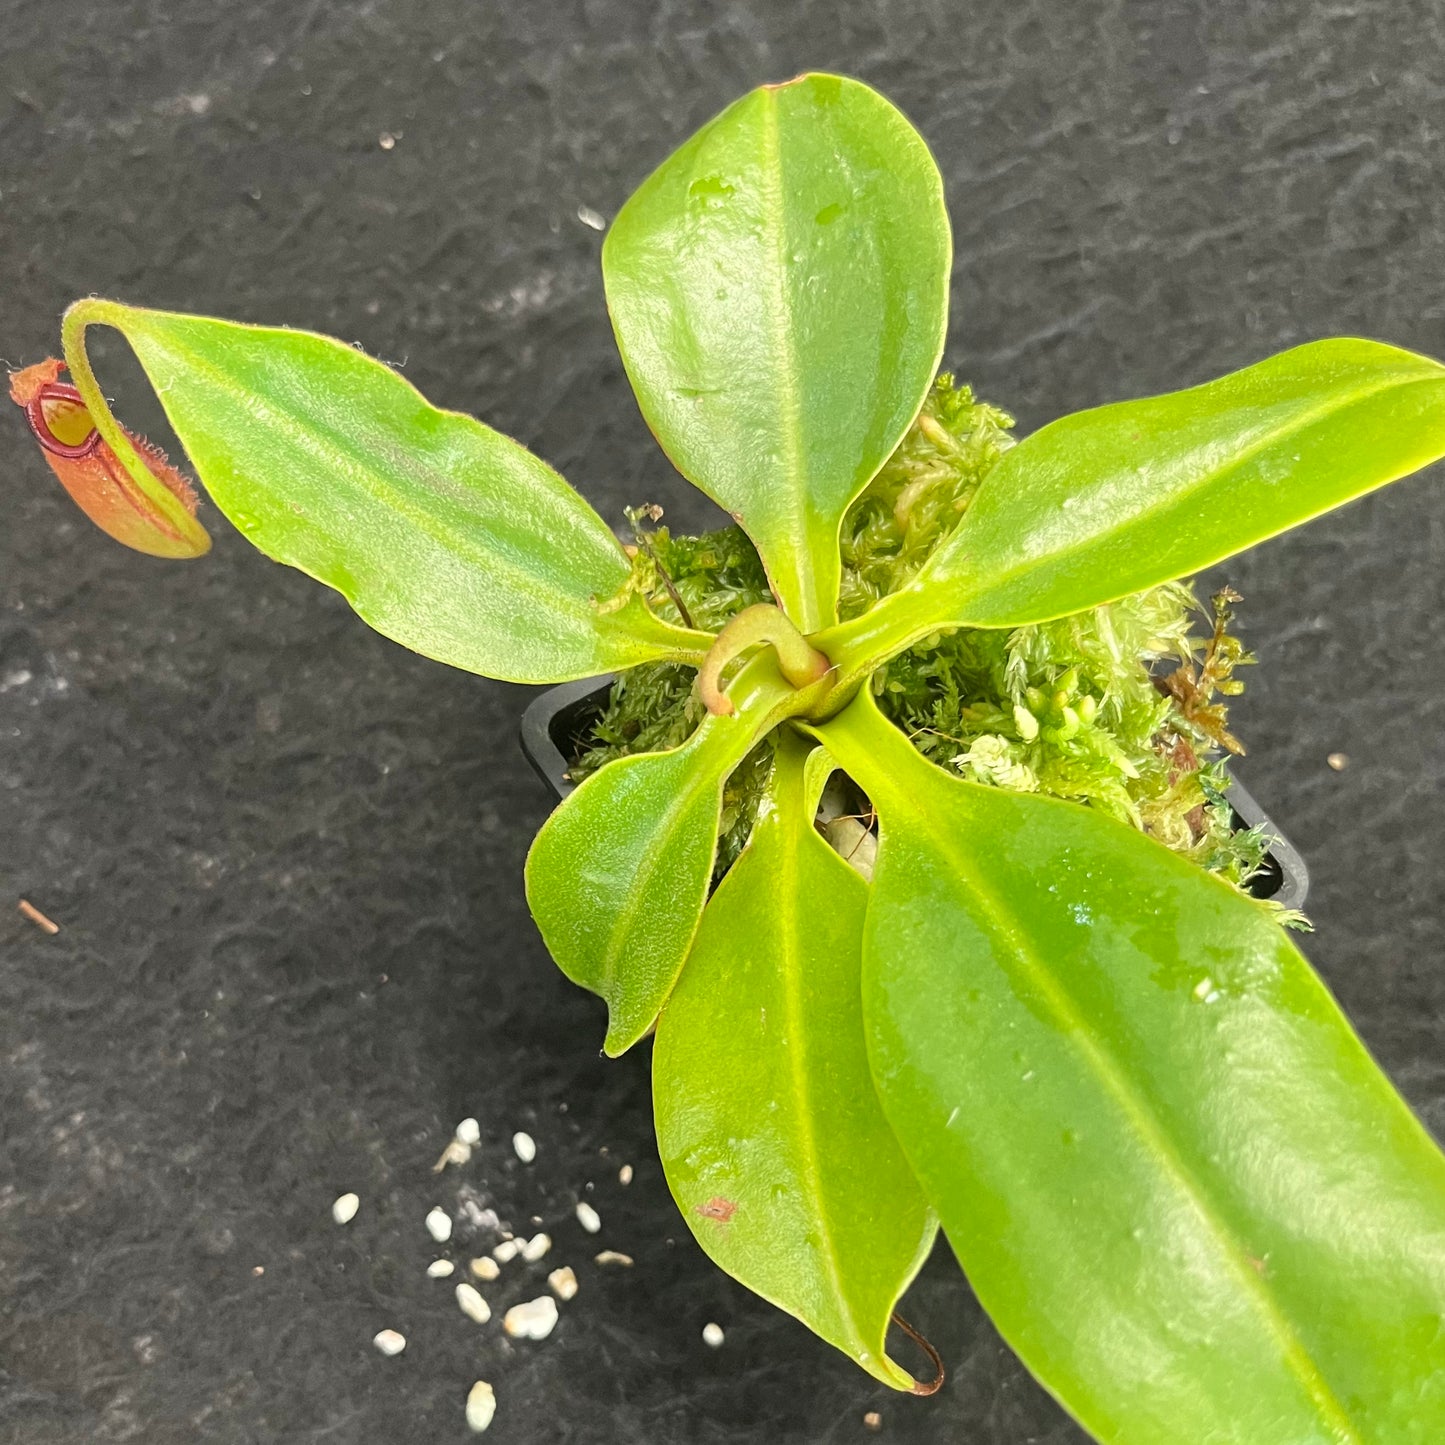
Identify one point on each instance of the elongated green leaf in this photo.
(618, 876)
(779, 288)
(443, 534)
(1112, 501)
(771, 1135)
(1183, 1190)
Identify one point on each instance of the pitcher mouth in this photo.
(58, 391)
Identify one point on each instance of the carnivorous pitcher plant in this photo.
(1176, 1180)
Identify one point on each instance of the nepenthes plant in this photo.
(1189, 1199)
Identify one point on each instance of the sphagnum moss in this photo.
(1115, 707)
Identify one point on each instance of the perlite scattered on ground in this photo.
(1338, 761)
(481, 1406)
(534, 1320)
(712, 1335)
(472, 1305)
(873, 1420)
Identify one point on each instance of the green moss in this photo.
(1120, 708)
(920, 493)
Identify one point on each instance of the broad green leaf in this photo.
(443, 534)
(1112, 501)
(1185, 1193)
(779, 289)
(618, 876)
(770, 1132)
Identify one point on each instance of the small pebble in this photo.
(712, 1335)
(469, 1132)
(386, 140)
(536, 1247)
(481, 1406)
(563, 1282)
(507, 1250)
(1338, 761)
(344, 1210)
(613, 1256)
(440, 1268)
(472, 1305)
(485, 1268)
(534, 1320)
(588, 1218)
(439, 1225)
(873, 1420)
(591, 218)
(624, 1175)
(525, 1146)
(390, 1342)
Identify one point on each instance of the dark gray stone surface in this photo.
(287, 854)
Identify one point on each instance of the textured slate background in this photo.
(287, 854)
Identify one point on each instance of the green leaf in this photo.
(1110, 502)
(779, 289)
(771, 1135)
(618, 876)
(443, 534)
(1177, 1181)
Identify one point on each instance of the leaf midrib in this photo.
(785, 348)
(654, 853)
(1138, 1112)
(1298, 423)
(331, 449)
(809, 1165)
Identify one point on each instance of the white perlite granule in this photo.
(563, 1282)
(439, 1225)
(534, 1320)
(588, 1218)
(344, 1210)
(712, 1335)
(481, 1406)
(525, 1146)
(390, 1342)
(472, 1305)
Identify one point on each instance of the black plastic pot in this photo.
(557, 721)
